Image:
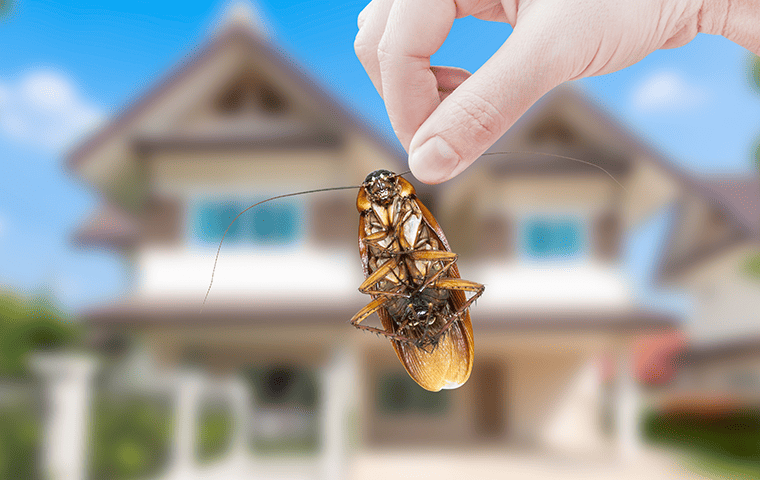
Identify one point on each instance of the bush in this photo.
(130, 438)
(734, 434)
(214, 433)
(31, 324)
(19, 441)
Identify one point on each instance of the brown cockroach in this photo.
(414, 281)
(412, 276)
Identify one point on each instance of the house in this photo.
(712, 254)
(238, 123)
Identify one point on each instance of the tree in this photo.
(5, 8)
(31, 324)
(754, 80)
(753, 263)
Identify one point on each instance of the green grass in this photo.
(718, 466)
(723, 445)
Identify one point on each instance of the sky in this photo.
(66, 68)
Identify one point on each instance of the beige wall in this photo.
(727, 300)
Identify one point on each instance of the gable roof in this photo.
(737, 199)
(607, 142)
(239, 33)
(740, 196)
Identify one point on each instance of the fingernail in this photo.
(433, 161)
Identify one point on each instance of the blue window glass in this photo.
(275, 224)
(552, 238)
(213, 218)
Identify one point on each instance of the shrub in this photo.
(130, 438)
(731, 434)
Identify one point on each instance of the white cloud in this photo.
(667, 91)
(45, 110)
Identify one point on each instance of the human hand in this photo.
(445, 130)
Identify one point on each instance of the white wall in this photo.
(727, 300)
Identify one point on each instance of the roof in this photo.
(593, 122)
(739, 348)
(109, 227)
(235, 31)
(146, 313)
(737, 197)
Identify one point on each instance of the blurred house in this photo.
(713, 253)
(237, 123)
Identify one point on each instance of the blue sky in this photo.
(65, 68)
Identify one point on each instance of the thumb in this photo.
(485, 105)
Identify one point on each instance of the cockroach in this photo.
(412, 277)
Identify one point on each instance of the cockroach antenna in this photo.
(277, 197)
(564, 157)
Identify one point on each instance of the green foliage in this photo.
(31, 324)
(733, 435)
(214, 433)
(19, 441)
(756, 154)
(6, 7)
(754, 72)
(752, 266)
(130, 438)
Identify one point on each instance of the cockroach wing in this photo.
(447, 366)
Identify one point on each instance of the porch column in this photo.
(68, 390)
(187, 399)
(573, 426)
(337, 386)
(627, 414)
(239, 396)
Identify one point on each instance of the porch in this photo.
(349, 443)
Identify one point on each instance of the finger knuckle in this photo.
(385, 49)
(363, 49)
(383, 54)
(481, 118)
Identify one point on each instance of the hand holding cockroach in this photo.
(412, 276)
(445, 117)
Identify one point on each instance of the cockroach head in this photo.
(381, 186)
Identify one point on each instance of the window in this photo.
(272, 224)
(398, 394)
(213, 218)
(552, 238)
(284, 385)
(249, 94)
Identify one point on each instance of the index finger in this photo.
(415, 30)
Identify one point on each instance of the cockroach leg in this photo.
(376, 237)
(448, 259)
(380, 274)
(459, 285)
(368, 310)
